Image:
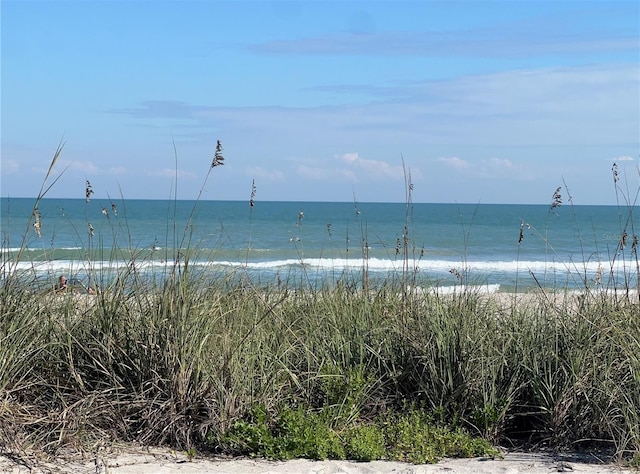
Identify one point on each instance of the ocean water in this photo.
(494, 247)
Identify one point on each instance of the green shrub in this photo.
(365, 443)
(299, 433)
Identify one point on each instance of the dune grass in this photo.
(183, 364)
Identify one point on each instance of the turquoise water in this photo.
(447, 244)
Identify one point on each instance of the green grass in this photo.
(318, 374)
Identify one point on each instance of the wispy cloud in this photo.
(499, 168)
(350, 167)
(562, 35)
(9, 166)
(86, 167)
(89, 168)
(488, 43)
(489, 168)
(372, 168)
(117, 171)
(621, 158)
(158, 108)
(454, 162)
(537, 107)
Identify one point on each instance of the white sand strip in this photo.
(156, 461)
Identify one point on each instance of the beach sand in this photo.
(130, 460)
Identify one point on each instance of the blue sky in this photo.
(478, 101)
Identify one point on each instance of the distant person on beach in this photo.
(61, 285)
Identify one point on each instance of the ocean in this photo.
(492, 247)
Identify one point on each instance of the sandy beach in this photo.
(162, 461)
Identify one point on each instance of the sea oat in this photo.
(623, 239)
(105, 212)
(329, 230)
(37, 223)
(218, 159)
(556, 199)
(253, 193)
(634, 245)
(355, 205)
(365, 248)
(91, 232)
(521, 234)
(456, 273)
(614, 169)
(597, 279)
(88, 191)
(114, 209)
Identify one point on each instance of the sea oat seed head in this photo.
(37, 223)
(521, 236)
(556, 199)
(218, 159)
(253, 193)
(598, 277)
(88, 191)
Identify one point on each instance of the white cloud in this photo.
(10, 166)
(87, 167)
(454, 162)
(622, 158)
(499, 163)
(489, 168)
(350, 157)
(347, 175)
(117, 170)
(351, 168)
(372, 168)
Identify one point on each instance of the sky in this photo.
(375, 101)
